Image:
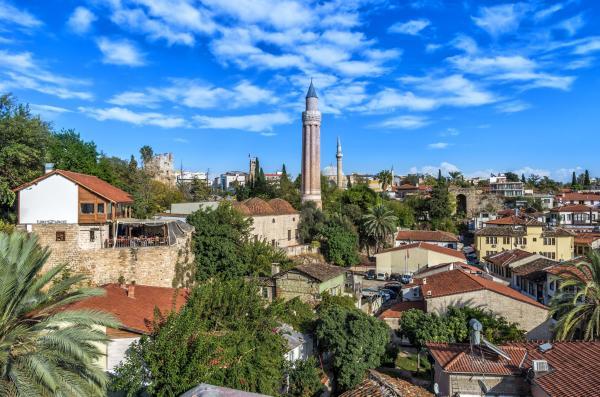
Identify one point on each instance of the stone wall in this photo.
(283, 229)
(291, 285)
(164, 266)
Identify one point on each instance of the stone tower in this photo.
(340, 173)
(311, 149)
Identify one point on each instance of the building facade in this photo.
(500, 185)
(161, 168)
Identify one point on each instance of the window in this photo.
(87, 208)
(273, 220)
(265, 292)
(521, 240)
(273, 242)
(491, 240)
(255, 238)
(549, 241)
(518, 281)
(294, 219)
(60, 236)
(100, 208)
(289, 235)
(552, 286)
(505, 240)
(92, 236)
(297, 234)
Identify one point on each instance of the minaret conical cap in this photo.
(312, 93)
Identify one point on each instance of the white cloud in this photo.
(438, 145)
(48, 111)
(24, 72)
(445, 167)
(565, 174)
(431, 48)
(465, 43)
(13, 15)
(532, 171)
(592, 44)
(128, 116)
(546, 12)
(512, 106)
(412, 27)
(120, 52)
(537, 80)
(571, 25)
(452, 90)
(133, 98)
(500, 19)
(181, 140)
(450, 132)
(278, 14)
(264, 122)
(81, 20)
(404, 122)
(391, 99)
(496, 64)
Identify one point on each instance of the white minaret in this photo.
(340, 173)
(311, 149)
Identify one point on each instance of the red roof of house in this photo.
(505, 258)
(457, 358)
(573, 365)
(89, 182)
(378, 384)
(396, 310)
(515, 220)
(455, 282)
(573, 208)
(256, 206)
(427, 235)
(586, 238)
(135, 314)
(579, 197)
(430, 247)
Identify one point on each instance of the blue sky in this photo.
(476, 86)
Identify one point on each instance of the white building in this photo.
(229, 180)
(191, 176)
(502, 186)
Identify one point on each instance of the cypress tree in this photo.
(574, 179)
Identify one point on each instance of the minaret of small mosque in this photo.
(340, 173)
(311, 149)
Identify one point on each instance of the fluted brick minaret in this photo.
(311, 149)
(340, 173)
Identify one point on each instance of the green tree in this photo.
(385, 178)
(23, 140)
(294, 312)
(586, 178)
(219, 241)
(379, 223)
(360, 195)
(287, 190)
(258, 256)
(224, 335)
(576, 306)
(356, 340)
(405, 215)
(511, 176)
(439, 204)
(146, 154)
(199, 190)
(339, 244)
(44, 350)
(69, 152)
(305, 379)
(574, 180)
(312, 222)
(523, 178)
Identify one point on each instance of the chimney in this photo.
(48, 167)
(131, 290)
(275, 268)
(476, 328)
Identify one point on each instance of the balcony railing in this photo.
(136, 242)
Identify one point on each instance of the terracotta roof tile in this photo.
(505, 258)
(258, 207)
(515, 220)
(534, 268)
(430, 247)
(458, 358)
(579, 197)
(136, 313)
(319, 271)
(455, 282)
(396, 310)
(381, 385)
(500, 231)
(281, 206)
(90, 182)
(427, 235)
(574, 208)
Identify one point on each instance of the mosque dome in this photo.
(330, 170)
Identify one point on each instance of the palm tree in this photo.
(576, 306)
(385, 178)
(44, 349)
(379, 223)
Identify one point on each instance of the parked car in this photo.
(406, 278)
(395, 276)
(392, 294)
(371, 275)
(381, 276)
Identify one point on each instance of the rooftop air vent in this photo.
(540, 366)
(545, 347)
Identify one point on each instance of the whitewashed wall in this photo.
(116, 351)
(52, 199)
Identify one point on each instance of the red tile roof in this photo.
(574, 366)
(574, 208)
(136, 314)
(455, 282)
(505, 258)
(258, 207)
(430, 247)
(586, 238)
(515, 220)
(89, 182)
(396, 310)
(458, 358)
(381, 385)
(427, 235)
(579, 197)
